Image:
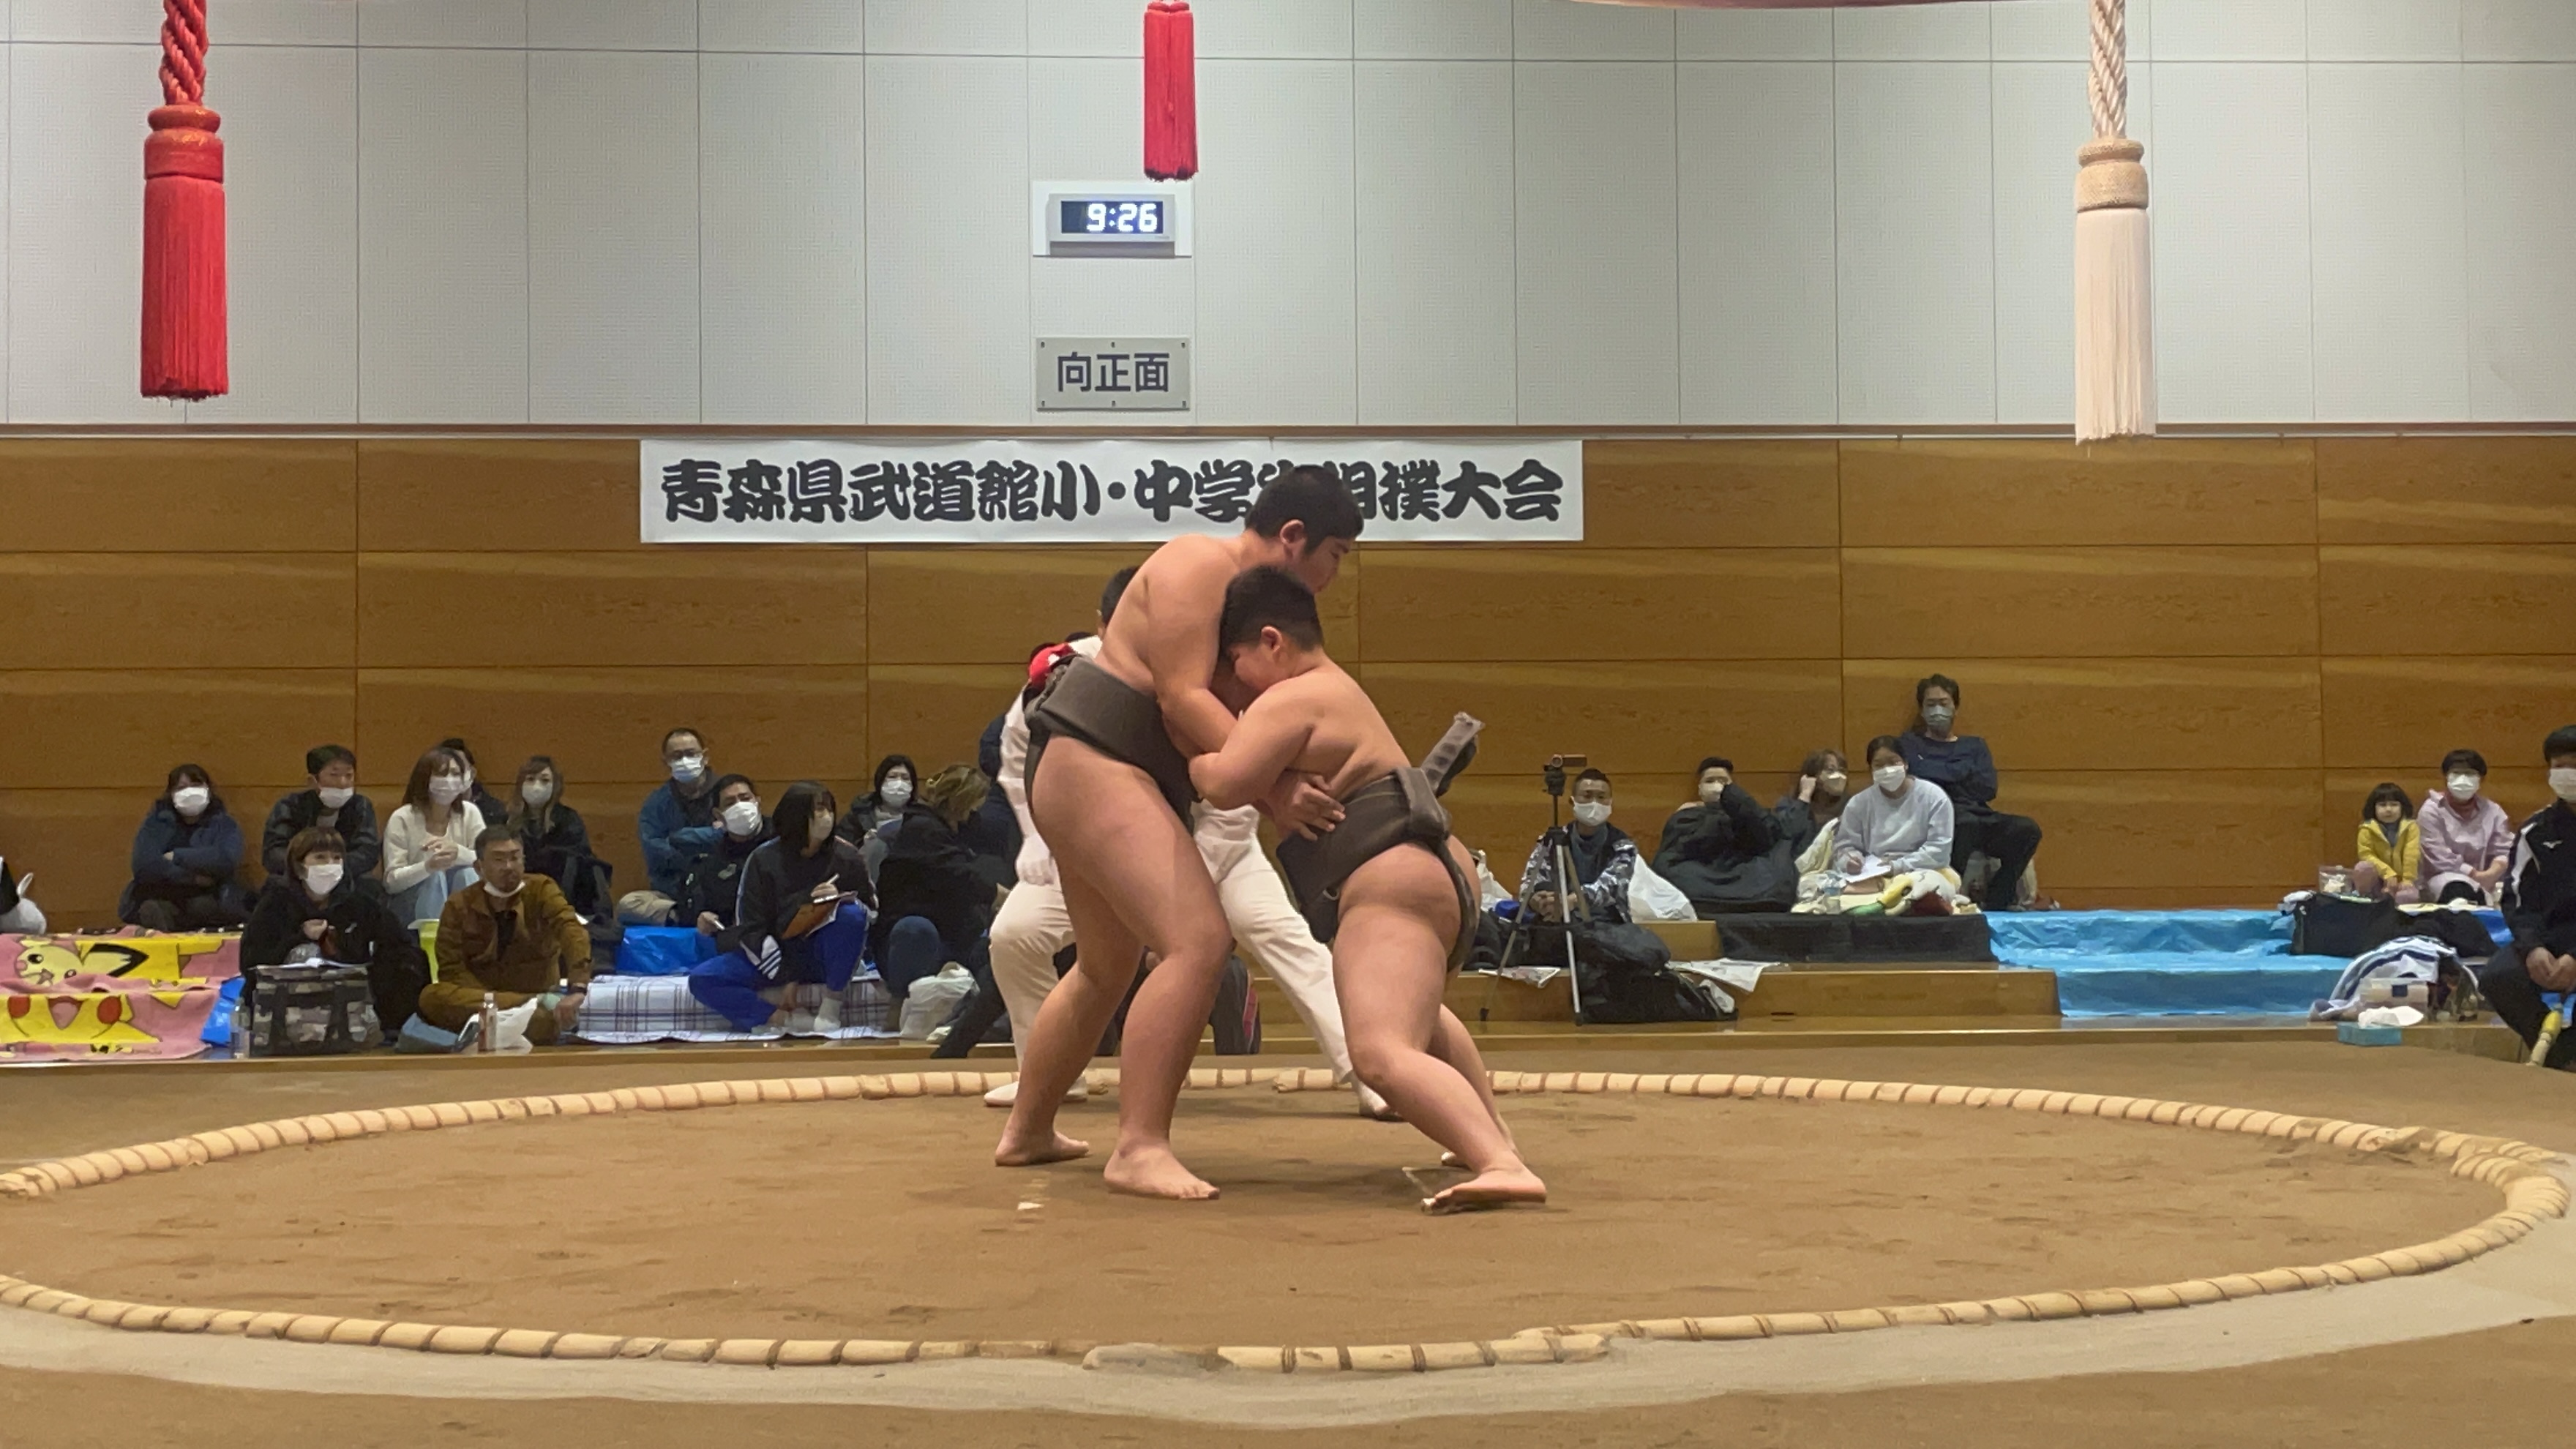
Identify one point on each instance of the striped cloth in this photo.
(630, 1010)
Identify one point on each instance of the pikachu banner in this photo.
(110, 998)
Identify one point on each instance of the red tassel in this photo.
(185, 354)
(1171, 92)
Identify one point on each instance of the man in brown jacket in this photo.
(514, 936)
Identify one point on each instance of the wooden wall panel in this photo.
(2137, 714)
(767, 721)
(462, 494)
(2245, 836)
(1432, 604)
(1990, 492)
(936, 713)
(983, 605)
(2078, 602)
(78, 843)
(2410, 711)
(2488, 598)
(180, 495)
(124, 729)
(176, 611)
(1630, 718)
(2446, 490)
(709, 607)
(1705, 493)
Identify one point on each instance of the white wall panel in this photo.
(2522, 292)
(952, 27)
(2062, 29)
(1915, 274)
(443, 269)
(1275, 228)
(1085, 124)
(1271, 29)
(1913, 32)
(1597, 234)
(1435, 242)
(948, 240)
(1756, 34)
(443, 23)
(128, 22)
(2230, 210)
(1757, 243)
(613, 24)
(613, 237)
(1432, 29)
(2231, 30)
(284, 22)
(783, 202)
(291, 197)
(2042, 116)
(2522, 30)
(1087, 27)
(76, 232)
(1567, 30)
(830, 26)
(2384, 29)
(2391, 291)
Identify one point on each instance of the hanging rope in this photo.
(2115, 374)
(2110, 79)
(183, 52)
(185, 348)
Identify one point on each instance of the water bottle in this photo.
(489, 1011)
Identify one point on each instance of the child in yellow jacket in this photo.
(2391, 850)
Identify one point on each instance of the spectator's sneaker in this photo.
(1008, 1093)
(827, 1016)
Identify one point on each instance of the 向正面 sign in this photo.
(1113, 374)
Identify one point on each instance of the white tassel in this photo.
(2115, 355)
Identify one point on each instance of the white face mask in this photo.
(499, 894)
(821, 830)
(446, 789)
(2463, 788)
(1890, 778)
(896, 792)
(537, 791)
(742, 819)
(688, 768)
(1595, 813)
(1709, 790)
(2562, 782)
(1938, 716)
(1832, 782)
(333, 797)
(323, 879)
(190, 800)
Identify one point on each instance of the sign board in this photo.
(1113, 374)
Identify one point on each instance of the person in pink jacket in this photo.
(2466, 838)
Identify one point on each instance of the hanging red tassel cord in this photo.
(184, 348)
(1171, 92)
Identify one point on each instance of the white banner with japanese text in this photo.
(1096, 490)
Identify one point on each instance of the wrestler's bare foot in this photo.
(1016, 1152)
(1153, 1172)
(1502, 1187)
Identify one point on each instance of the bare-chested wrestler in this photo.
(1390, 890)
(1109, 787)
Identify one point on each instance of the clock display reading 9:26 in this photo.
(1136, 218)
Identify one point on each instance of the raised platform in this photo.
(2170, 963)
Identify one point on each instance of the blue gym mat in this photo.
(2171, 963)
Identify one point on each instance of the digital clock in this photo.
(1110, 220)
(1112, 217)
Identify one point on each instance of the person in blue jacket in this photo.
(187, 854)
(676, 827)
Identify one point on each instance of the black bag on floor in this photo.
(2462, 931)
(1627, 977)
(312, 1009)
(2346, 926)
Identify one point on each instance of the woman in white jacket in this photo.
(429, 839)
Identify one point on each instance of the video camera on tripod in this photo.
(1558, 850)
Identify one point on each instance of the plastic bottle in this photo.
(490, 1010)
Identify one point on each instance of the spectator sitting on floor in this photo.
(935, 900)
(2390, 850)
(888, 792)
(1899, 824)
(715, 885)
(2540, 909)
(492, 810)
(314, 910)
(186, 853)
(18, 914)
(801, 929)
(2466, 838)
(1605, 859)
(513, 936)
(1824, 779)
(676, 827)
(557, 838)
(1965, 770)
(1725, 851)
(331, 802)
(429, 839)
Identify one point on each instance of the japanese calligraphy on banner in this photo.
(1108, 490)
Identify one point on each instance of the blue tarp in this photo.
(662, 950)
(2171, 963)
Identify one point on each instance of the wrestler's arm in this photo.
(1269, 739)
(1180, 648)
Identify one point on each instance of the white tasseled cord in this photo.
(2115, 365)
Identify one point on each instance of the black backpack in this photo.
(2346, 926)
(1627, 977)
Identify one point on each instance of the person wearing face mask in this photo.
(888, 792)
(1900, 822)
(494, 809)
(676, 827)
(514, 936)
(429, 839)
(1824, 779)
(314, 910)
(330, 802)
(1605, 859)
(935, 900)
(557, 838)
(1964, 769)
(2467, 838)
(2540, 909)
(1725, 851)
(715, 885)
(800, 930)
(186, 854)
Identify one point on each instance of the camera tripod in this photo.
(1559, 851)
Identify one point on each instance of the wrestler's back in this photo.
(1124, 641)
